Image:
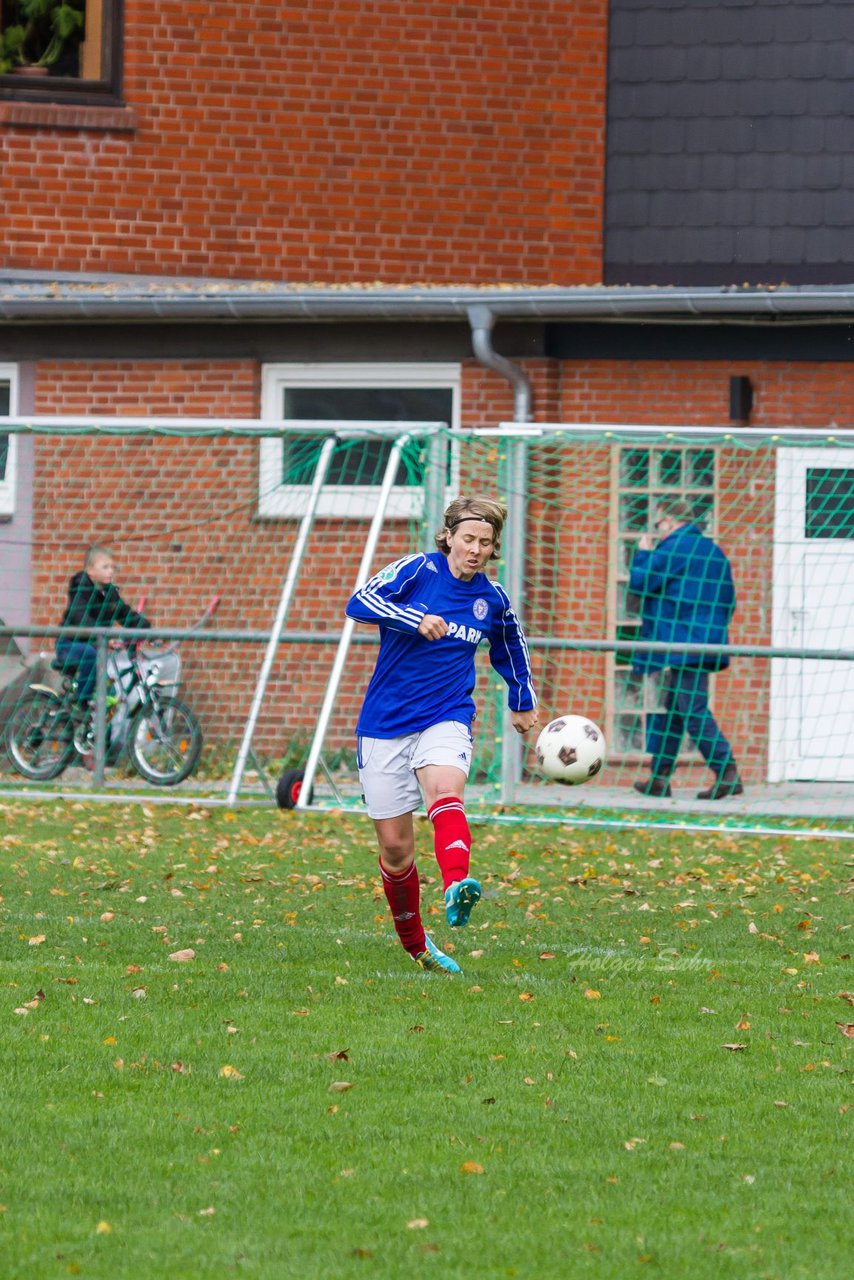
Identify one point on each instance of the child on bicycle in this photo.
(93, 601)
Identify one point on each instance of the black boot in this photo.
(726, 784)
(654, 786)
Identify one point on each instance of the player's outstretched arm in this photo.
(508, 654)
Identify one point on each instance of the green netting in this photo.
(829, 503)
(201, 509)
(188, 516)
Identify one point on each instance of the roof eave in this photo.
(27, 298)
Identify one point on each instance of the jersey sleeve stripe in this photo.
(383, 609)
(378, 592)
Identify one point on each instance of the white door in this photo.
(812, 699)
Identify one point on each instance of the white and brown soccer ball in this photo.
(571, 749)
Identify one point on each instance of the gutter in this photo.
(482, 322)
(36, 297)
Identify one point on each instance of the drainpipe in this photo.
(482, 321)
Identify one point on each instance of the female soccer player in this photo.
(414, 731)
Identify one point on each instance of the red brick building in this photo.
(290, 211)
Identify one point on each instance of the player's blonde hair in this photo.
(494, 513)
(92, 553)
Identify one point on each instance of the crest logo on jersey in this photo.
(481, 609)
(386, 574)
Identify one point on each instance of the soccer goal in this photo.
(282, 519)
(780, 504)
(270, 517)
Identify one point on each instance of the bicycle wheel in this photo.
(40, 737)
(164, 742)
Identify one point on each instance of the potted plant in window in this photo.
(35, 33)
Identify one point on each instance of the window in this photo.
(8, 444)
(829, 503)
(643, 475)
(346, 393)
(61, 50)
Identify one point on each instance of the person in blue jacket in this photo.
(414, 730)
(686, 596)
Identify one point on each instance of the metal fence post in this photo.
(100, 711)
(435, 484)
(517, 483)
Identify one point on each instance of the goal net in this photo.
(193, 509)
(727, 667)
(780, 506)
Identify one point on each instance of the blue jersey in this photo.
(418, 682)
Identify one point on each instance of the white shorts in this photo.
(387, 765)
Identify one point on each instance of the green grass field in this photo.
(645, 1069)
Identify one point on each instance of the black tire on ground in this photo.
(289, 787)
(40, 737)
(164, 745)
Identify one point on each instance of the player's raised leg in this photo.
(443, 793)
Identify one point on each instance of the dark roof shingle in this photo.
(730, 122)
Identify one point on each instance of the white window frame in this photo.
(346, 502)
(8, 484)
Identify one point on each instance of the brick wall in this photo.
(181, 518)
(337, 140)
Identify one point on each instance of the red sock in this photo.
(403, 893)
(451, 838)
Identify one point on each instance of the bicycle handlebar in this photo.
(208, 613)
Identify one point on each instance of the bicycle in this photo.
(160, 733)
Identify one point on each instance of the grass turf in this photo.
(645, 1069)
